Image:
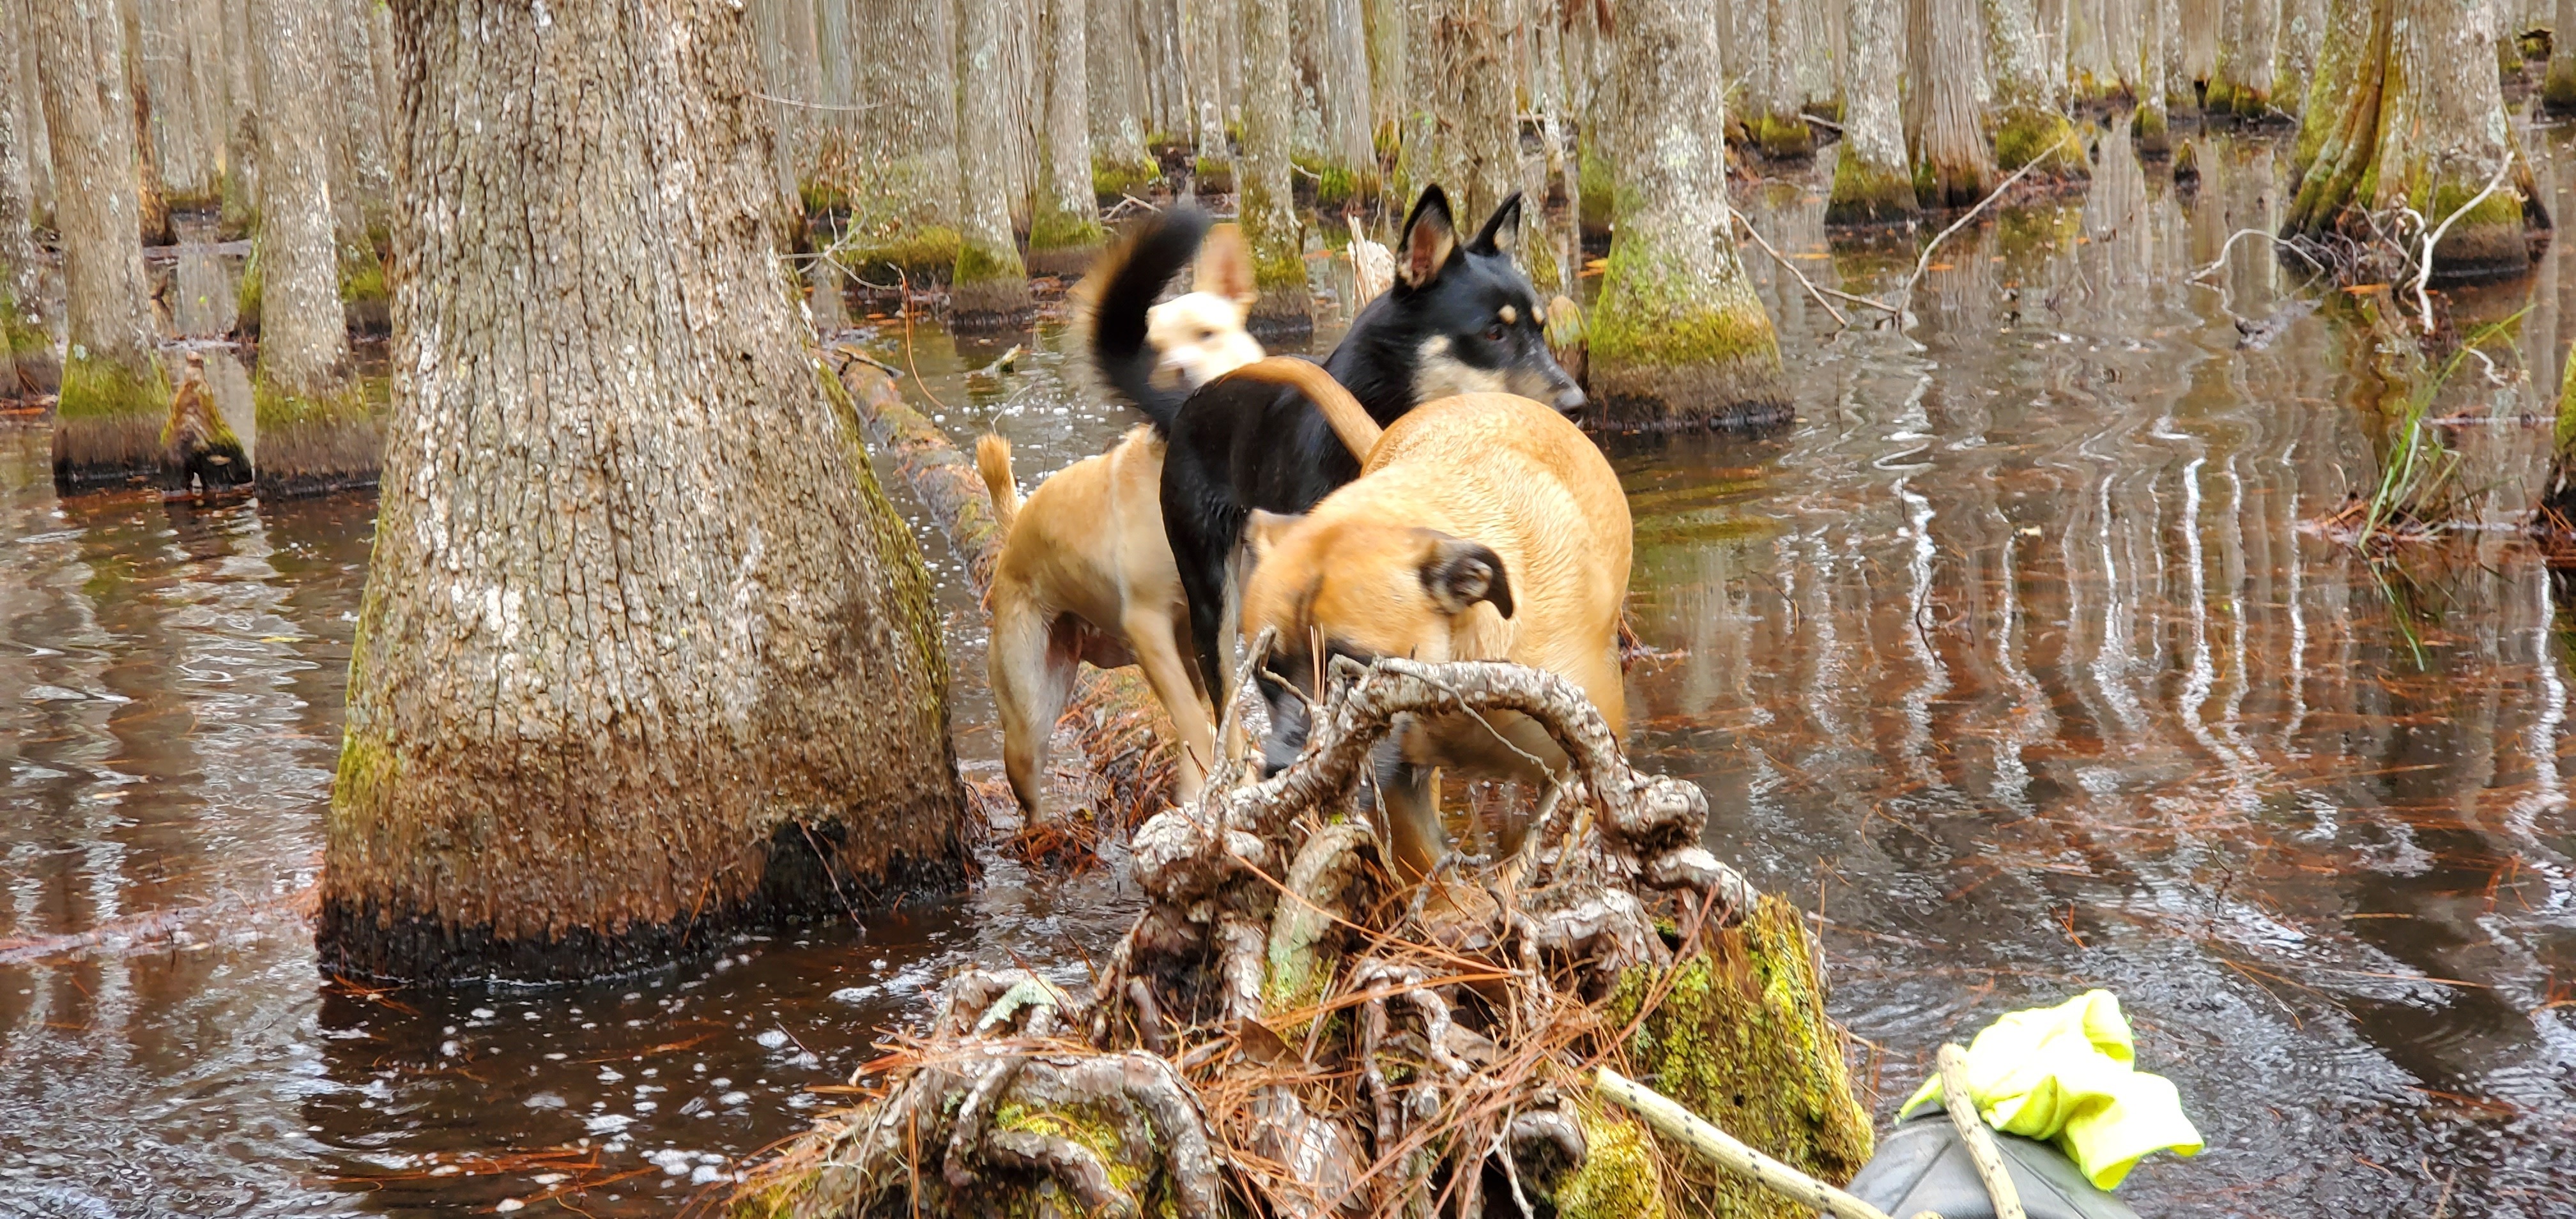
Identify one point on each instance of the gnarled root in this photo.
(1342, 1045)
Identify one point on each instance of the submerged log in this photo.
(1285, 1031)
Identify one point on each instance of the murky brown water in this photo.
(2012, 659)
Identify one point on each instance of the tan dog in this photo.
(1482, 527)
(1085, 572)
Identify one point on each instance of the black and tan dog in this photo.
(1459, 318)
(1484, 527)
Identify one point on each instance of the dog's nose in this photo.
(1569, 399)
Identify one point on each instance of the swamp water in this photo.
(2017, 659)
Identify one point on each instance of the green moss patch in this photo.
(1619, 1177)
(1742, 1040)
(2029, 133)
(926, 250)
(1863, 195)
(1650, 313)
(1112, 178)
(1784, 136)
(95, 388)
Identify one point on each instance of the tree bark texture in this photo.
(1066, 229)
(644, 656)
(1390, 78)
(2558, 88)
(1471, 120)
(2198, 25)
(1953, 166)
(152, 196)
(990, 284)
(314, 430)
(240, 204)
(2242, 82)
(1210, 33)
(1268, 211)
(791, 69)
(167, 56)
(2026, 120)
(2149, 123)
(27, 364)
(1349, 168)
(1871, 182)
(900, 174)
(114, 391)
(1120, 161)
(369, 185)
(2406, 111)
(1776, 124)
(1678, 337)
(30, 104)
(2303, 28)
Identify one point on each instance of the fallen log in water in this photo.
(1121, 762)
(1284, 1031)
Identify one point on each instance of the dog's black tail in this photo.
(1116, 296)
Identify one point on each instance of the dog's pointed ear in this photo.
(1429, 237)
(1263, 531)
(1225, 266)
(1459, 573)
(1502, 230)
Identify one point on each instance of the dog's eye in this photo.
(1494, 333)
(1205, 335)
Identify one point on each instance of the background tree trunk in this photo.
(2198, 24)
(2558, 89)
(314, 433)
(2242, 83)
(27, 364)
(1871, 181)
(114, 392)
(1777, 126)
(240, 205)
(900, 176)
(152, 202)
(1472, 122)
(1120, 161)
(791, 69)
(1678, 336)
(2148, 125)
(2406, 99)
(644, 657)
(1349, 169)
(2303, 28)
(1390, 80)
(30, 104)
(2026, 120)
(1066, 229)
(990, 285)
(1269, 214)
(1209, 34)
(1952, 165)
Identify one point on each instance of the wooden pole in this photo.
(1718, 1147)
(1972, 1131)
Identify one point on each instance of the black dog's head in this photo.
(1461, 318)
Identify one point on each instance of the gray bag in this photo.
(1922, 1166)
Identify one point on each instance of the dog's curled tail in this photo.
(1350, 420)
(993, 461)
(1113, 300)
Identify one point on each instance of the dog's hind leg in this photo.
(1031, 679)
(1159, 654)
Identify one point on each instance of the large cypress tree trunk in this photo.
(644, 656)
(114, 391)
(1349, 167)
(2148, 125)
(2406, 102)
(2242, 83)
(1269, 214)
(1066, 230)
(990, 284)
(314, 430)
(1871, 181)
(27, 365)
(1389, 80)
(2294, 63)
(2027, 123)
(1953, 167)
(240, 206)
(1120, 161)
(152, 201)
(1678, 336)
(899, 172)
(1776, 124)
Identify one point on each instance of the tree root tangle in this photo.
(1286, 1031)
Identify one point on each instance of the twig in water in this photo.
(1790, 267)
(903, 309)
(2424, 272)
(1924, 263)
(2230, 246)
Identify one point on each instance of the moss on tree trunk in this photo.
(108, 423)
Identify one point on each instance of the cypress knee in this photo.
(645, 657)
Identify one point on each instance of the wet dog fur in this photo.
(1460, 318)
(1484, 527)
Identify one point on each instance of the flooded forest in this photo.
(837, 608)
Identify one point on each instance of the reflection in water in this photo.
(2017, 658)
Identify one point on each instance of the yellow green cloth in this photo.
(2065, 1074)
